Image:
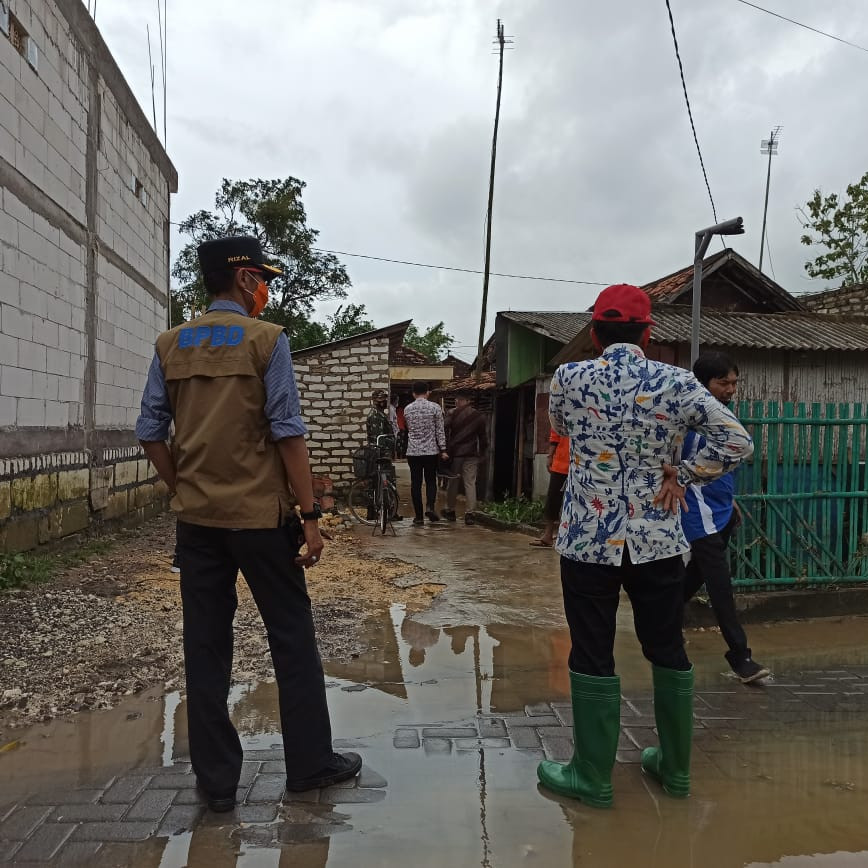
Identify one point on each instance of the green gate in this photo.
(803, 497)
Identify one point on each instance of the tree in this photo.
(434, 343)
(343, 323)
(843, 230)
(272, 211)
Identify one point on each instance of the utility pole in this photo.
(768, 146)
(501, 42)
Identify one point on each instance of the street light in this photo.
(703, 239)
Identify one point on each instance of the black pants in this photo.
(210, 560)
(554, 497)
(591, 596)
(709, 565)
(423, 465)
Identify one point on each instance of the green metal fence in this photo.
(803, 497)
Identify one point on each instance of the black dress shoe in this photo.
(218, 804)
(342, 766)
(221, 805)
(432, 516)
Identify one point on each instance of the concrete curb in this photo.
(489, 521)
(785, 605)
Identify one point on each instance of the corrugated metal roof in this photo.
(559, 325)
(785, 331)
(770, 331)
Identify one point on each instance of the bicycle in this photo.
(373, 491)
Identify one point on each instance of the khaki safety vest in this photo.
(229, 472)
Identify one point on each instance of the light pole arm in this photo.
(703, 239)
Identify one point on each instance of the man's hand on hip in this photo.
(671, 494)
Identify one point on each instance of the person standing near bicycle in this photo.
(378, 424)
(426, 443)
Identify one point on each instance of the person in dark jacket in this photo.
(466, 443)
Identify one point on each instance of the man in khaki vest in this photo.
(237, 467)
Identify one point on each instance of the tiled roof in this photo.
(770, 331)
(407, 356)
(561, 326)
(668, 289)
(394, 333)
(487, 381)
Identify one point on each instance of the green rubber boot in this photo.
(596, 726)
(669, 764)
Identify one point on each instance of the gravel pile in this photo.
(112, 626)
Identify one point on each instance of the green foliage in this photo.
(23, 569)
(273, 211)
(434, 343)
(27, 568)
(840, 228)
(517, 510)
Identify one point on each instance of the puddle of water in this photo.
(495, 641)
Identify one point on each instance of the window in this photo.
(21, 41)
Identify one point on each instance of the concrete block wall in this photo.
(84, 250)
(849, 301)
(45, 498)
(335, 386)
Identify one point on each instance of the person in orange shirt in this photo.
(558, 466)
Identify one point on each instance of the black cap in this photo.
(234, 251)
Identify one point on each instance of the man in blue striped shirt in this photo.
(709, 523)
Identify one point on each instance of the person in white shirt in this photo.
(426, 444)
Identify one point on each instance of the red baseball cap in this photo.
(623, 303)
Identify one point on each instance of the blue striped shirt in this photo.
(282, 405)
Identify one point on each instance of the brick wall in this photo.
(335, 386)
(84, 254)
(847, 301)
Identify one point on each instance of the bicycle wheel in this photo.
(388, 507)
(359, 500)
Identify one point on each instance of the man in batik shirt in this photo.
(626, 417)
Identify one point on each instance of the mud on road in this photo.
(112, 626)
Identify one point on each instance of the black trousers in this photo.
(210, 559)
(423, 465)
(554, 497)
(591, 596)
(709, 565)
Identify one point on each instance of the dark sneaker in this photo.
(749, 671)
(343, 766)
(397, 517)
(449, 514)
(469, 519)
(418, 521)
(432, 516)
(176, 567)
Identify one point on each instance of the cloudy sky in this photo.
(385, 109)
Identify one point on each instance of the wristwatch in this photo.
(314, 515)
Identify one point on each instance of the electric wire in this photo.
(800, 24)
(690, 111)
(463, 270)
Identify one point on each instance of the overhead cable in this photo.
(690, 112)
(464, 270)
(800, 24)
